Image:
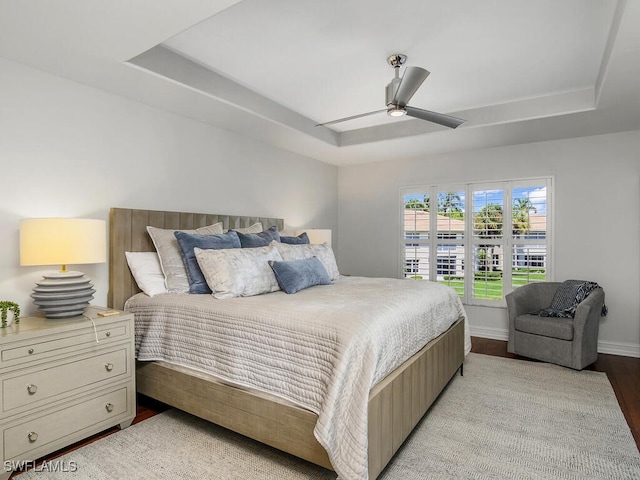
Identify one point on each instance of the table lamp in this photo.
(62, 241)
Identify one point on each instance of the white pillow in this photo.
(147, 272)
(239, 272)
(175, 273)
(300, 252)
(255, 228)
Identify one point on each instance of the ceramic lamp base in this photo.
(63, 294)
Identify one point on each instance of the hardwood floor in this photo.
(623, 373)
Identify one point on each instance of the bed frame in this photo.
(396, 404)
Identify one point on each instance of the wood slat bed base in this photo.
(280, 425)
(395, 405)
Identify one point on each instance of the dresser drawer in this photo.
(47, 346)
(33, 385)
(27, 440)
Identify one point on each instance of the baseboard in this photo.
(487, 332)
(611, 348)
(618, 348)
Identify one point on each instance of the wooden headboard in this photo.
(128, 233)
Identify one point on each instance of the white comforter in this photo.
(322, 348)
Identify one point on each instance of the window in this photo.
(501, 229)
(411, 266)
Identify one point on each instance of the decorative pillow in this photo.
(147, 272)
(568, 296)
(239, 272)
(300, 252)
(188, 241)
(255, 228)
(296, 275)
(262, 239)
(302, 239)
(175, 273)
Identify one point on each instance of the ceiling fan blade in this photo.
(439, 118)
(349, 118)
(411, 81)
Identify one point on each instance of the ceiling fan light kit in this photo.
(398, 93)
(394, 111)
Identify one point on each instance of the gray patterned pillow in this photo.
(239, 272)
(568, 296)
(175, 272)
(300, 252)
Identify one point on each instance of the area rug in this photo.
(504, 419)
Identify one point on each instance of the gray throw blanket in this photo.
(567, 298)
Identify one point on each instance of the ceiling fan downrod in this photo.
(395, 110)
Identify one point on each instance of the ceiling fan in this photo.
(400, 91)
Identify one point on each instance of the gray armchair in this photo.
(570, 342)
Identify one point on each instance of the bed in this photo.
(395, 404)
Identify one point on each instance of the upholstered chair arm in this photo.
(590, 309)
(586, 325)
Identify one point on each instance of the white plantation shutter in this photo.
(482, 239)
(490, 221)
(433, 245)
(530, 236)
(416, 238)
(450, 236)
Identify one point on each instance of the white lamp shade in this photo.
(62, 241)
(317, 235)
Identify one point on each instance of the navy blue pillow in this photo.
(296, 275)
(262, 239)
(302, 239)
(188, 241)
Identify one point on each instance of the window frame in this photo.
(469, 242)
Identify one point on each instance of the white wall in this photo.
(597, 219)
(73, 151)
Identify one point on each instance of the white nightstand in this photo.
(62, 381)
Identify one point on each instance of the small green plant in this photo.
(5, 307)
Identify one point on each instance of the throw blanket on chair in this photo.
(567, 298)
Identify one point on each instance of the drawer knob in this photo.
(32, 436)
(109, 407)
(108, 334)
(32, 389)
(108, 366)
(31, 350)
